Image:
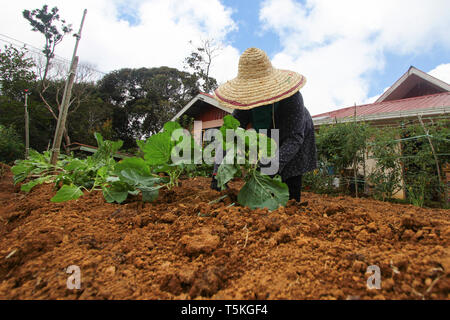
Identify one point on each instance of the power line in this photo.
(39, 51)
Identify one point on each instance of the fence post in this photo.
(432, 149)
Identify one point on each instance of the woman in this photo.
(267, 98)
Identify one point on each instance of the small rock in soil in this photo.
(372, 227)
(408, 235)
(168, 217)
(359, 266)
(195, 245)
(363, 235)
(333, 209)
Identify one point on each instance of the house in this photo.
(205, 108)
(414, 94)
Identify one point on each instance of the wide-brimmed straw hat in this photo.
(258, 83)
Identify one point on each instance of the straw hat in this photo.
(258, 83)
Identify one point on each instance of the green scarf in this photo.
(261, 117)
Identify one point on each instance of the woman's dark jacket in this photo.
(297, 152)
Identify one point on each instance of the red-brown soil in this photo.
(182, 247)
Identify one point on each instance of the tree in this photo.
(11, 147)
(52, 72)
(144, 99)
(52, 27)
(50, 24)
(16, 72)
(93, 115)
(200, 61)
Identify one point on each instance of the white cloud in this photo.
(337, 44)
(160, 36)
(442, 72)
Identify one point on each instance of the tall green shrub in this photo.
(385, 177)
(11, 146)
(421, 177)
(341, 146)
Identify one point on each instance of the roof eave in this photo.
(387, 115)
(420, 74)
(205, 98)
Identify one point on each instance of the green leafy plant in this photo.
(132, 176)
(161, 149)
(72, 174)
(259, 191)
(416, 191)
(419, 160)
(136, 175)
(11, 146)
(385, 176)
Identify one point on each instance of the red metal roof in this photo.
(207, 94)
(415, 103)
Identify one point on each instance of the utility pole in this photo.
(61, 124)
(27, 125)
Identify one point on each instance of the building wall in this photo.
(211, 113)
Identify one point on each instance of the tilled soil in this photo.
(185, 247)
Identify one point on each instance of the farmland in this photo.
(186, 246)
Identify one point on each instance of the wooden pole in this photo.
(61, 124)
(27, 127)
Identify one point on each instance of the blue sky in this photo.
(249, 34)
(349, 50)
(246, 15)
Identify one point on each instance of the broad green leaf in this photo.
(171, 126)
(30, 185)
(261, 191)
(67, 193)
(116, 145)
(75, 164)
(157, 149)
(225, 173)
(140, 144)
(20, 172)
(117, 192)
(112, 179)
(230, 122)
(99, 139)
(103, 172)
(150, 194)
(133, 177)
(106, 148)
(161, 168)
(20, 169)
(137, 164)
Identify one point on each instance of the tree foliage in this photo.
(386, 175)
(16, 72)
(11, 146)
(50, 24)
(144, 99)
(341, 144)
(200, 61)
